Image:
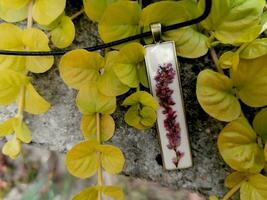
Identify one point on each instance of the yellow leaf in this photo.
(215, 94)
(6, 127)
(233, 179)
(11, 83)
(80, 67)
(142, 75)
(10, 39)
(255, 49)
(112, 158)
(255, 188)
(14, 4)
(90, 101)
(12, 148)
(88, 194)
(34, 103)
(149, 116)
(250, 81)
(120, 20)
(265, 152)
(36, 40)
(260, 125)
(88, 127)
(229, 59)
(91, 193)
(22, 131)
(63, 35)
(213, 198)
(46, 11)
(82, 160)
(238, 146)
(13, 14)
(95, 8)
(142, 97)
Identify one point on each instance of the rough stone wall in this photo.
(58, 129)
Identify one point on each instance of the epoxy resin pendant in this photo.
(163, 73)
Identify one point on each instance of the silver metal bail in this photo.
(156, 32)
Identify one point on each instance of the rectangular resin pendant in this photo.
(163, 73)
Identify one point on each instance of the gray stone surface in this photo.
(59, 128)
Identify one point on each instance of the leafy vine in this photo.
(240, 76)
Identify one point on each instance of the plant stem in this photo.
(140, 3)
(233, 191)
(77, 14)
(215, 60)
(21, 103)
(100, 173)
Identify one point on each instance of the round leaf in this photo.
(83, 160)
(13, 14)
(91, 101)
(88, 194)
(149, 116)
(34, 103)
(6, 127)
(216, 95)
(114, 192)
(229, 59)
(22, 131)
(255, 188)
(11, 83)
(95, 8)
(238, 147)
(143, 98)
(10, 39)
(255, 49)
(88, 127)
(260, 125)
(12, 148)
(80, 67)
(250, 81)
(120, 20)
(46, 11)
(36, 40)
(235, 178)
(63, 35)
(229, 20)
(112, 158)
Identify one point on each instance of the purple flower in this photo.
(165, 76)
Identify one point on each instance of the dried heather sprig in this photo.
(165, 76)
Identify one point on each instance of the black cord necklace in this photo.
(205, 14)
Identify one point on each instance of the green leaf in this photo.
(22, 131)
(6, 127)
(128, 59)
(255, 188)
(34, 103)
(13, 14)
(260, 125)
(15, 4)
(46, 11)
(229, 59)
(120, 20)
(265, 152)
(63, 35)
(250, 81)
(238, 146)
(82, 160)
(12, 148)
(80, 67)
(11, 83)
(229, 20)
(216, 95)
(112, 158)
(95, 8)
(143, 98)
(234, 178)
(108, 83)
(91, 101)
(37, 64)
(189, 42)
(88, 127)
(255, 49)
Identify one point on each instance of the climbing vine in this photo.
(239, 77)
